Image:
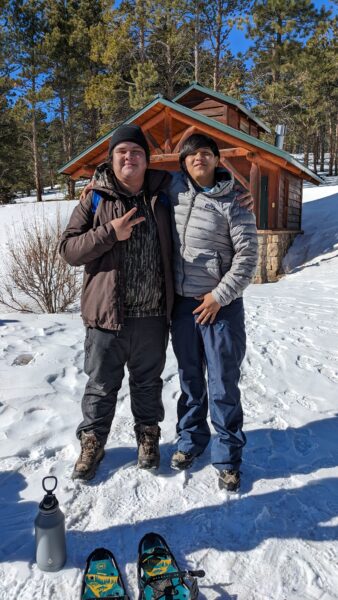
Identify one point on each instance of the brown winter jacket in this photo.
(90, 240)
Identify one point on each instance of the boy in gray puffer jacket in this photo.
(215, 258)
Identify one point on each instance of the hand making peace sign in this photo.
(124, 226)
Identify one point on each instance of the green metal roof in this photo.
(240, 135)
(223, 98)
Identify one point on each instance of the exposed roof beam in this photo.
(256, 157)
(153, 121)
(168, 128)
(83, 171)
(155, 158)
(232, 152)
(181, 137)
(242, 180)
(153, 142)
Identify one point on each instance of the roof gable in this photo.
(153, 111)
(207, 92)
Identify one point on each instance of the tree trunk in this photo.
(276, 53)
(170, 80)
(70, 188)
(66, 130)
(306, 152)
(217, 59)
(63, 125)
(336, 153)
(141, 27)
(197, 42)
(315, 152)
(37, 173)
(322, 149)
(51, 178)
(331, 147)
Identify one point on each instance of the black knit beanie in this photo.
(129, 133)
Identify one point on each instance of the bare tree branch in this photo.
(35, 278)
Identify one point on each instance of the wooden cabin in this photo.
(273, 176)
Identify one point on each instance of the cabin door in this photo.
(264, 205)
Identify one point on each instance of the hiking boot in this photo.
(147, 437)
(229, 480)
(181, 460)
(92, 452)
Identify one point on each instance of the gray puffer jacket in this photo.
(215, 239)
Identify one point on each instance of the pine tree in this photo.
(316, 76)
(219, 16)
(171, 44)
(113, 47)
(10, 151)
(145, 79)
(26, 28)
(279, 29)
(67, 48)
(8, 133)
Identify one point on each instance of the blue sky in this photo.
(239, 43)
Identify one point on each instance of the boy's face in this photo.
(201, 166)
(129, 161)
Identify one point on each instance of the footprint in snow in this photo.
(308, 363)
(329, 373)
(308, 403)
(22, 360)
(303, 444)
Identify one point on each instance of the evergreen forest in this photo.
(71, 70)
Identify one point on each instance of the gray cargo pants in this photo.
(141, 345)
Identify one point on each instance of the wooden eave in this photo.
(167, 123)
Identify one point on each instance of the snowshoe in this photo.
(102, 578)
(159, 577)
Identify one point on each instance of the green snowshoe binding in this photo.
(102, 578)
(159, 576)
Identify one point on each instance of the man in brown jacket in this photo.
(124, 244)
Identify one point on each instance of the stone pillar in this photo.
(272, 247)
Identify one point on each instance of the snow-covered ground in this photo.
(277, 540)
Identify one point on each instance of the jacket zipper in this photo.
(183, 239)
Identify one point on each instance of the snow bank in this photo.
(277, 540)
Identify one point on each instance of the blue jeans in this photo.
(218, 348)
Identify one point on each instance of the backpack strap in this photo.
(96, 197)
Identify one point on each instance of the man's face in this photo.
(129, 161)
(201, 164)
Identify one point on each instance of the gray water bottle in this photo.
(50, 535)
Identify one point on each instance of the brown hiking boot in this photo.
(229, 480)
(91, 454)
(147, 437)
(182, 460)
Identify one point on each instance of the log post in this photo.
(255, 180)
